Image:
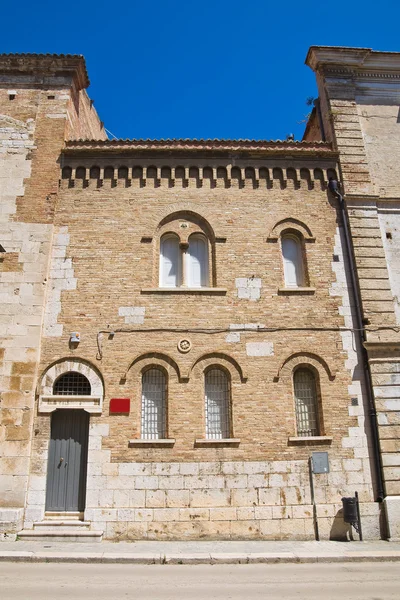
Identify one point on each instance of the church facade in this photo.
(199, 338)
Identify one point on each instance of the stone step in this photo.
(63, 516)
(61, 535)
(53, 525)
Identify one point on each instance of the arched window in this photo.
(293, 264)
(154, 413)
(170, 262)
(197, 262)
(72, 384)
(305, 396)
(217, 404)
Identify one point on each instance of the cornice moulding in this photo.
(358, 61)
(48, 66)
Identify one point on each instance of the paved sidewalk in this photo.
(202, 552)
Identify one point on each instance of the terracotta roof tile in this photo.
(279, 146)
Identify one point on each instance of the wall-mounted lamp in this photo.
(75, 337)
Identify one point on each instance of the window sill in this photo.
(310, 440)
(219, 442)
(298, 290)
(210, 291)
(160, 442)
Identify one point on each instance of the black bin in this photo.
(350, 510)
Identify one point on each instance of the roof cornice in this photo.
(363, 62)
(46, 65)
(189, 145)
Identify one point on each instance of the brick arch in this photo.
(65, 365)
(185, 209)
(285, 371)
(195, 216)
(156, 359)
(290, 223)
(219, 358)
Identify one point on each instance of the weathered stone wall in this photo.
(32, 130)
(380, 124)
(23, 269)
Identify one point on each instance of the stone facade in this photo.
(359, 98)
(83, 233)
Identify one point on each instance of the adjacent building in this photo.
(179, 329)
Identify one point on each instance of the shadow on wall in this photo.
(340, 531)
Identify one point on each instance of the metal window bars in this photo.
(306, 403)
(72, 384)
(217, 404)
(153, 405)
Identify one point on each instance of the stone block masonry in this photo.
(32, 130)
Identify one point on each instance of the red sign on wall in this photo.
(120, 405)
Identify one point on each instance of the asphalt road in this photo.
(341, 581)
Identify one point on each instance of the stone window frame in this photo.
(224, 362)
(317, 400)
(227, 400)
(144, 438)
(183, 260)
(133, 377)
(301, 266)
(184, 223)
(48, 402)
(292, 227)
(323, 373)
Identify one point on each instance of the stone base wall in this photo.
(214, 500)
(11, 520)
(225, 500)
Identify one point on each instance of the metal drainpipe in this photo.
(334, 188)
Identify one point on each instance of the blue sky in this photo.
(210, 69)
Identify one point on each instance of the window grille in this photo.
(153, 405)
(72, 384)
(217, 401)
(306, 403)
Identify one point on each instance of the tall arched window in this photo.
(197, 262)
(72, 384)
(154, 410)
(293, 263)
(170, 262)
(305, 395)
(217, 404)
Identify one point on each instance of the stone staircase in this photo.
(61, 527)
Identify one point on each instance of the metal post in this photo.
(359, 518)
(315, 518)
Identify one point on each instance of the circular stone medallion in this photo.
(184, 345)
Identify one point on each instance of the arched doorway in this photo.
(68, 449)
